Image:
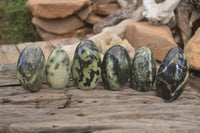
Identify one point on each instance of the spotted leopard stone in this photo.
(31, 68)
(58, 69)
(172, 75)
(86, 67)
(143, 70)
(115, 68)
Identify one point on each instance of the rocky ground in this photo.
(64, 19)
(54, 20)
(99, 20)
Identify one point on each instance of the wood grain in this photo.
(8, 54)
(99, 110)
(71, 110)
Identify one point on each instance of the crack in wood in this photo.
(99, 110)
(67, 103)
(11, 85)
(6, 100)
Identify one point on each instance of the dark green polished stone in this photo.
(86, 67)
(143, 70)
(115, 68)
(31, 68)
(172, 75)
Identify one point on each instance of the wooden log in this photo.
(73, 110)
(8, 53)
(183, 18)
(160, 13)
(115, 18)
(120, 28)
(8, 75)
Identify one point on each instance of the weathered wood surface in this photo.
(99, 111)
(115, 18)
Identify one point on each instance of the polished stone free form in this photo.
(58, 69)
(143, 70)
(172, 75)
(115, 68)
(31, 68)
(86, 67)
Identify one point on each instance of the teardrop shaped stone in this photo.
(58, 69)
(143, 70)
(86, 67)
(172, 75)
(115, 68)
(31, 68)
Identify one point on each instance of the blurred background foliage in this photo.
(15, 23)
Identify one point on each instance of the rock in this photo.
(58, 69)
(172, 75)
(80, 33)
(115, 40)
(112, 39)
(52, 9)
(46, 36)
(86, 67)
(93, 19)
(158, 38)
(104, 1)
(109, 41)
(116, 18)
(183, 15)
(83, 33)
(115, 68)
(143, 70)
(70, 49)
(31, 68)
(159, 1)
(196, 3)
(130, 49)
(64, 42)
(83, 14)
(58, 26)
(102, 45)
(192, 51)
(105, 9)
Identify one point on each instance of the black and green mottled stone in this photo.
(172, 75)
(31, 68)
(86, 67)
(143, 70)
(58, 69)
(115, 68)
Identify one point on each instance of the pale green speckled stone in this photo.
(58, 69)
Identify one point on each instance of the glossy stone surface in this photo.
(172, 75)
(86, 67)
(31, 68)
(115, 68)
(58, 69)
(143, 70)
